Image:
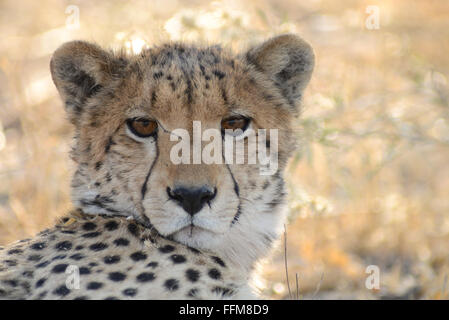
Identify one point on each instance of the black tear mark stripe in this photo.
(144, 186)
(236, 185)
(236, 188)
(145, 220)
(237, 192)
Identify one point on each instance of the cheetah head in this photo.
(126, 109)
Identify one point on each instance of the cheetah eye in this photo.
(142, 127)
(235, 123)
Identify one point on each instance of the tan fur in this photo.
(119, 174)
(36, 278)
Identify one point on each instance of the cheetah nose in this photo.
(192, 200)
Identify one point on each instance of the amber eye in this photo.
(142, 127)
(234, 123)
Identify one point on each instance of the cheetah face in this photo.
(131, 112)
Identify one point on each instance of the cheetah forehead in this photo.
(190, 60)
(266, 81)
(185, 82)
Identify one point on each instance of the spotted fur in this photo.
(163, 252)
(115, 258)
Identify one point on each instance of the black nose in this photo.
(192, 200)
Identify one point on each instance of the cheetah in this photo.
(144, 227)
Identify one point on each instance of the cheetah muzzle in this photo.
(144, 226)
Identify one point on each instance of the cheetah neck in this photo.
(248, 241)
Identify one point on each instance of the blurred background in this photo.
(369, 185)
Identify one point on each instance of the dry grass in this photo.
(370, 183)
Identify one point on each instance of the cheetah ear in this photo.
(80, 70)
(288, 61)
